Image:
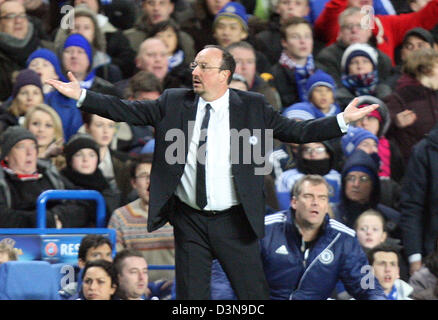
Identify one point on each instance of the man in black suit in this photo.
(216, 206)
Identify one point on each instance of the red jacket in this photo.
(389, 30)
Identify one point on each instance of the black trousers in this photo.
(229, 238)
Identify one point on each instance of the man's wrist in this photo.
(81, 98)
(341, 122)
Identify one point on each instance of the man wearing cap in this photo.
(415, 39)
(23, 177)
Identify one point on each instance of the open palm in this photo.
(70, 89)
(353, 113)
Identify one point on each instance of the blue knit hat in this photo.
(78, 40)
(354, 137)
(319, 78)
(47, 55)
(299, 110)
(233, 10)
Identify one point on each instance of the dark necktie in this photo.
(201, 190)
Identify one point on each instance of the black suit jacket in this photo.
(175, 108)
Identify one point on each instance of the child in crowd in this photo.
(320, 89)
(46, 64)
(370, 229)
(359, 74)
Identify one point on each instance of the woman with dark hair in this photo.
(180, 54)
(99, 281)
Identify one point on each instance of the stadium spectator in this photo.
(82, 155)
(46, 64)
(329, 58)
(43, 121)
(301, 258)
(246, 65)
(113, 164)
(23, 178)
(412, 105)
(130, 222)
(26, 93)
(360, 75)
(296, 63)
(385, 260)
(99, 281)
(18, 39)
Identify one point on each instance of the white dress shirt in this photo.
(221, 192)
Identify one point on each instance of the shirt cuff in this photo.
(414, 257)
(341, 122)
(81, 98)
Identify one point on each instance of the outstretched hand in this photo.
(70, 89)
(353, 113)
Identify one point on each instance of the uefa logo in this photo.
(51, 249)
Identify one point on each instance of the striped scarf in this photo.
(302, 73)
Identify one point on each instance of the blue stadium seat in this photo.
(28, 280)
(64, 273)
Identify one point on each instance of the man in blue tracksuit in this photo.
(305, 252)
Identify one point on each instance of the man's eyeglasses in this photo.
(12, 16)
(351, 26)
(317, 150)
(362, 179)
(143, 176)
(203, 66)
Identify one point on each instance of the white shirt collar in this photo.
(218, 103)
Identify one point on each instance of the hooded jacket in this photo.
(348, 211)
(295, 275)
(396, 159)
(418, 199)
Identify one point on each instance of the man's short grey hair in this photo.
(347, 13)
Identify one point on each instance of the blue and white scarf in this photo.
(302, 73)
(361, 84)
(176, 59)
